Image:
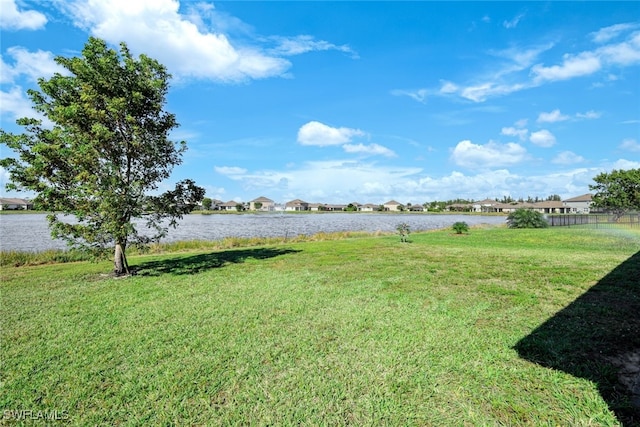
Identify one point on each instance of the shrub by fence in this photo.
(595, 220)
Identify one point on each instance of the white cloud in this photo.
(630, 144)
(16, 105)
(13, 19)
(567, 158)
(370, 149)
(517, 58)
(156, 28)
(552, 117)
(483, 91)
(181, 134)
(32, 65)
(316, 133)
(492, 85)
(331, 181)
(321, 135)
(214, 192)
(583, 64)
(230, 170)
(589, 115)
(288, 46)
(512, 131)
(7, 74)
(625, 164)
(5, 177)
(490, 155)
(556, 116)
(448, 87)
(497, 82)
(500, 182)
(29, 65)
(493, 183)
(512, 23)
(509, 76)
(542, 138)
(344, 181)
(625, 53)
(419, 95)
(606, 34)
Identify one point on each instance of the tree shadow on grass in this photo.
(192, 264)
(597, 337)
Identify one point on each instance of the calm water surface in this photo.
(29, 232)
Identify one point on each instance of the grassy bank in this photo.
(492, 328)
(22, 258)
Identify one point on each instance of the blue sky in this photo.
(338, 102)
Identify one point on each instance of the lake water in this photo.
(29, 232)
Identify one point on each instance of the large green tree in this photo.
(617, 191)
(104, 153)
(206, 203)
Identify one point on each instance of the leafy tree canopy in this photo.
(617, 191)
(104, 153)
(206, 203)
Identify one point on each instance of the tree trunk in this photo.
(121, 267)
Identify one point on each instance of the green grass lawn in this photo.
(445, 330)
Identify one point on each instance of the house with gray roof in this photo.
(369, 207)
(580, 204)
(13, 204)
(550, 207)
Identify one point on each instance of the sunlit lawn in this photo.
(362, 331)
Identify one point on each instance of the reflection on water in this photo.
(29, 232)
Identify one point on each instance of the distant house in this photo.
(393, 206)
(333, 208)
(459, 207)
(369, 207)
(550, 207)
(512, 207)
(12, 204)
(316, 207)
(231, 205)
(486, 205)
(580, 204)
(296, 205)
(416, 208)
(265, 204)
(215, 204)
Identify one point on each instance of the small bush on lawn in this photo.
(460, 227)
(403, 230)
(526, 218)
